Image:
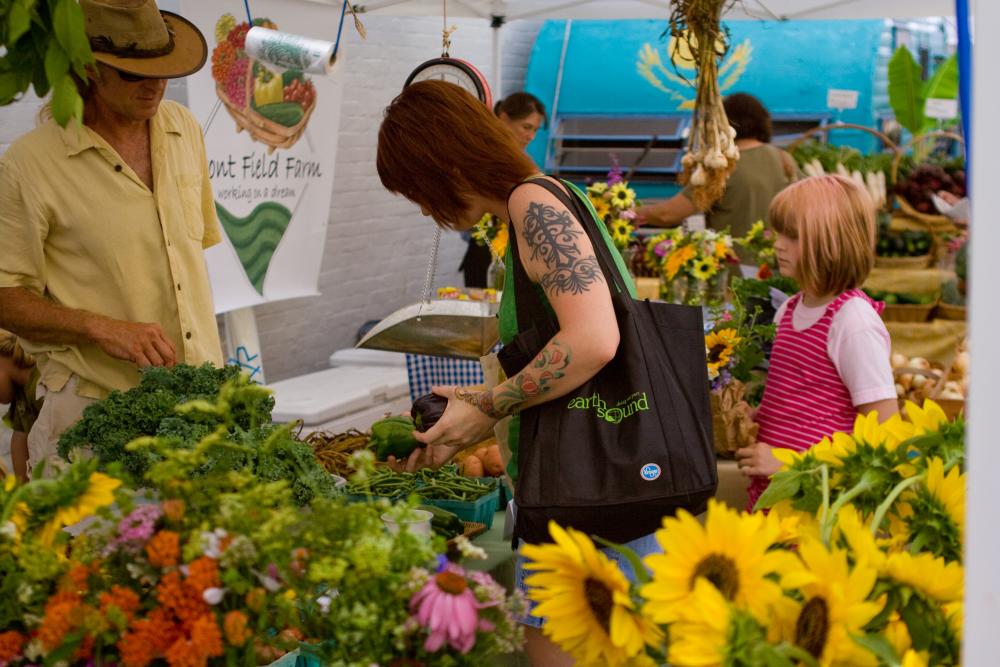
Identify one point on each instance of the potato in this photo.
(473, 467)
(493, 462)
(898, 360)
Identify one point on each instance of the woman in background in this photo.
(523, 114)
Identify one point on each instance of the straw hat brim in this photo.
(187, 57)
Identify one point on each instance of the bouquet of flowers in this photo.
(691, 263)
(615, 203)
(759, 245)
(227, 569)
(859, 562)
(491, 232)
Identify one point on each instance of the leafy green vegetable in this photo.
(248, 439)
(906, 94)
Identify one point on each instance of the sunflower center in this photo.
(449, 582)
(812, 626)
(715, 354)
(601, 601)
(721, 572)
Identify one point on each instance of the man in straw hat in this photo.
(104, 226)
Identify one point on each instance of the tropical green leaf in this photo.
(906, 90)
(68, 25)
(19, 20)
(943, 85)
(10, 87)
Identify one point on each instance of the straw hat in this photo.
(134, 36)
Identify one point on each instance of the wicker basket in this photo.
(949, 311)
(823, 130)
(919, 262)
(936, 222)
(272, 134)
(906, 312)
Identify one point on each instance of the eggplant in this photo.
(427, 410)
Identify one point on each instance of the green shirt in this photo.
(509, 326)
(24, 407)
(759, 175)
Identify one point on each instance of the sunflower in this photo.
(705, 268)
(934, 577)
(99, 492)
(601, 207)
(701, 633)
(913, 659)
(622, 196)
(835, 605)
(585, 599)
(859, 539)
(927, 419)
(621, 232)
(722, 251)
(793, 525)
(499, 243)
(720, 345)
(948, 490)
(732, 551)
(677, 259)
(898, 633)
(888, 434)
(598, 188)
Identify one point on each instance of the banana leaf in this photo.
(942, 85)
(906, 90)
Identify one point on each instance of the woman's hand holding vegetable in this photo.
(462, 425)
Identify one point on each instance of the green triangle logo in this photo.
(256, 237)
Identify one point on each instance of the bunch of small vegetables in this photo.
(333, 450)
(444, 483)
(43, 44)
(712, 152)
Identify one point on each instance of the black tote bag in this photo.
(632, 444)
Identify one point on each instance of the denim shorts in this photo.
(643, 546)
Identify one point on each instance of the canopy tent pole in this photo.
(982, 546)
(555, 95)
(964, 71)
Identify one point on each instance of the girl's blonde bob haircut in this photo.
(833, 218)
(10, 347)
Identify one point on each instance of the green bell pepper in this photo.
(393, 436)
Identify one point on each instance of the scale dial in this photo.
(454, 71)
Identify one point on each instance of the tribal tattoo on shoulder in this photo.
(552, 236)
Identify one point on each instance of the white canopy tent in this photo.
(982, 600)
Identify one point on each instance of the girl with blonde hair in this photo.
(830, 360)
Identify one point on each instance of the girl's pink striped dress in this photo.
(805, 399)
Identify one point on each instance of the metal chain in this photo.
(432, 265)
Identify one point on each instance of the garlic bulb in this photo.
(698, 178)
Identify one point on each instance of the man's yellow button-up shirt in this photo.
(79, 227)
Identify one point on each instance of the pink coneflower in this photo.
(447, 608)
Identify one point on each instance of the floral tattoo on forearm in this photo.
(552, 237)
(536, 379)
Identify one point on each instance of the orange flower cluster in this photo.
(203, 573)
(205, 642)
(11, 644)
(149, 639)
(180, 599)
(60, 612)
(78, 577)
(124, 599)
(235, 626)
(163, 549)
(256, 599)
(173, 509)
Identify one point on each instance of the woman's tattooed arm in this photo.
(535, 380)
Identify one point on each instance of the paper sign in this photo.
(941, 109)
(841, 99)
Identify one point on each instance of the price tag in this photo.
(941, 109)
(841, 99)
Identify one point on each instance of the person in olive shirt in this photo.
(104, 225)
(761, 172)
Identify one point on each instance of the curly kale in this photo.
(251, 442)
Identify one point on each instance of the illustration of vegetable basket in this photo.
(273, 107)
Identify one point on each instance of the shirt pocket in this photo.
(189, 198)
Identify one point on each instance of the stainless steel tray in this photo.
(444, 328)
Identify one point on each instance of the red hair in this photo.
(438, 145)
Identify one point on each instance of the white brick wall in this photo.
(377, 244)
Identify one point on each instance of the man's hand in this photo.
(757, 460)
(142, 344)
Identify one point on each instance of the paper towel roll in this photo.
(290, 51)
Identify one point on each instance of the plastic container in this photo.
(475, 511)
(417, 524)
